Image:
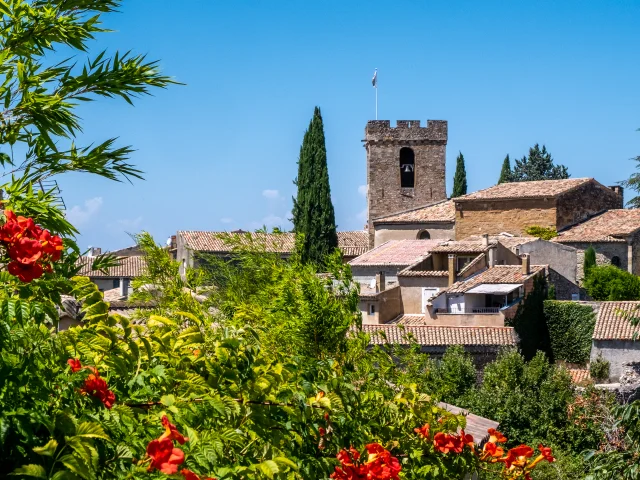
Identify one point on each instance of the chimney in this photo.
(452, 269)
(485, 239)
(526, 264)
(380, 282)
(124, 287)
(493, 252)
(94, 251)
(620, 191)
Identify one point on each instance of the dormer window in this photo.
(407, 168)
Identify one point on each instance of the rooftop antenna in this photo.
(374, 82)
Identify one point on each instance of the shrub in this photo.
(551, 292)
(599, 368)
(570, 330)
(611, 283)
(544, 233)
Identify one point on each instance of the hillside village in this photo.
(453, 271)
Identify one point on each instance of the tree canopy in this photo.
(505, 172)
(538, 165)
(633, 182)
(460, 178)
(313, 214)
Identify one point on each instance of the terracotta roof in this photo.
(613, 321)
(407, 272)
(409, 319)
(396, 252)
(609, 226)
(352, 243)
(441, 212)
(535, 189)
(498, 274)
(129, 267)
(460, 247)
(430, 335)
(579, 375)
(476, 426)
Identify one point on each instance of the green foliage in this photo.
(505, 172)
(589, 260)
(599, 369)
(538, 165)
(544, 233)
(529, 322)
(551, 292)
(460, 178)
(570, 329)
(313, 215)
(611, 283)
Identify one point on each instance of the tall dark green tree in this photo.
(505, 173)
(313, 214)
(460, 178)
(589, 260)
(538, 165)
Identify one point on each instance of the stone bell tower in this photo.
(405, 166)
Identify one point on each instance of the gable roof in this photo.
(129, 267)
(465, 246)
(432, 335)
(440, 212)
(503, 274)
(396, 253)
(524, 190)
(352, 243)
(613, 321)
(610, 226)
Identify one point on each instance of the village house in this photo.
(512, 207)
(614, 235)
(189, 244)
(115, 283)
(615, 338)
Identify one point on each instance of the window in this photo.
(424, 235)
(116, 283)
(615, 261)
(372, 309)
(407, 167)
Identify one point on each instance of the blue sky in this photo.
(220, 152)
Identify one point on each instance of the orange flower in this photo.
(171, 432)
(25, 272)
(98, 388)
(380, 465)
(491, 449)
(75, 365)
(518, 456)
(496, 436)
(423, 431)
(446, 443)
(322, 431)
(163, 456)
(546, 453)
(189, 475)
(466, 439)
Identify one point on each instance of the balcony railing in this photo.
(480, 310)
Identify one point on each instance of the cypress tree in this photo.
(460, 178)
(589, 261)
(313, 214)
(505, 173)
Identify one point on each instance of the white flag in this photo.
(374, 80)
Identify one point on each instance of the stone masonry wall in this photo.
(494, 217)
(585, 201)
(383, 143)
(410, 231)
(605, 251)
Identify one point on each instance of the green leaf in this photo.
(269, 468)
(36, 471)
(91, 430)
(76, 466)
(287, 462)
(48, 450)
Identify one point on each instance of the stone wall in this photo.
(365, 274)
(562, 258)
(410, 231)
(618, 353)
(565, 289)
(585, 201)
(383, 143)
(388, 305)
(494, 217)
(605, 251)
(411, 288)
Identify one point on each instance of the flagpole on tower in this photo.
(374, 81)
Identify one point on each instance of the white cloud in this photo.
(79, 215)
(271, 194)
(226, 220)
(362, 190)
(130, 223)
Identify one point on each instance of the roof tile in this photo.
(396, 252)
(610, 226)
(614, 321)
(498, 274)
(129, 267)
(534, 189)
(441, 212)
(431, 335)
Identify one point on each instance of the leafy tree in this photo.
(505, 173)
(529, 322)
(544, 233)
(538, 165)
(612, 283)
(589, 260)
(633, 182)
(313, 214)
(460, 178)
